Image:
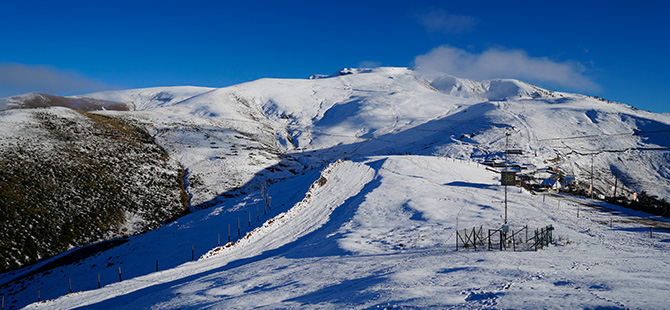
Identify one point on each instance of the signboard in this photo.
(508, 178)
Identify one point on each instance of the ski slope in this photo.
(226, 136)
(380, 233)
(398, 149)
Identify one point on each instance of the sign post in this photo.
(507, 178)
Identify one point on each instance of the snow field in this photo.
(381, 231)
(386, 111)
(340, 248)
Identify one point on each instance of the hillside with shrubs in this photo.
(71, 178)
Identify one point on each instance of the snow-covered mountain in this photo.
(363, 202)
(40, 100)
(360, 112)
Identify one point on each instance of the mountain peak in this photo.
(41, 100)
(350, 71)
(488, 89)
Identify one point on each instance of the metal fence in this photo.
(504, 239)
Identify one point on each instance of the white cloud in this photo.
(441, 21)
(369, 64)
(18, 79)
(498, 63)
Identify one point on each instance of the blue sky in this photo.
(611, 49)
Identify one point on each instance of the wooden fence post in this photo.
(262, 191)
(489, 239)
(651, 232)
(474, 238)
(99, 280)
(156, 265)
(526, 228)
(501, 240)
(229, 232)
(457, 236)
(549, 236)
(238, 226)
(120, 279)
(39, 289)
(262, 194)
(69, 284)
(479, 234)
(249, 218)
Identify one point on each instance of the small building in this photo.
(570, 181)
(552, 185)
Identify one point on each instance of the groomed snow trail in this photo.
(337, 183)
(379, 233)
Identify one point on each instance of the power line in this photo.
(632, 133)
(587, 137)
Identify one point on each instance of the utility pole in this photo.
(505, 204)
(506, 167)
(592, 176)
(506, 146)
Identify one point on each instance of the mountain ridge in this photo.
(356, 105)
(235, 141)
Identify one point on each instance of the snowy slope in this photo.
(150, 98)
(359, 112)
(221, 139)
(381, 233)
(398, 110)
(340, 247)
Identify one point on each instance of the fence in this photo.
(471, 238)
(74, 284)
(543, 237)
(503, 239)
